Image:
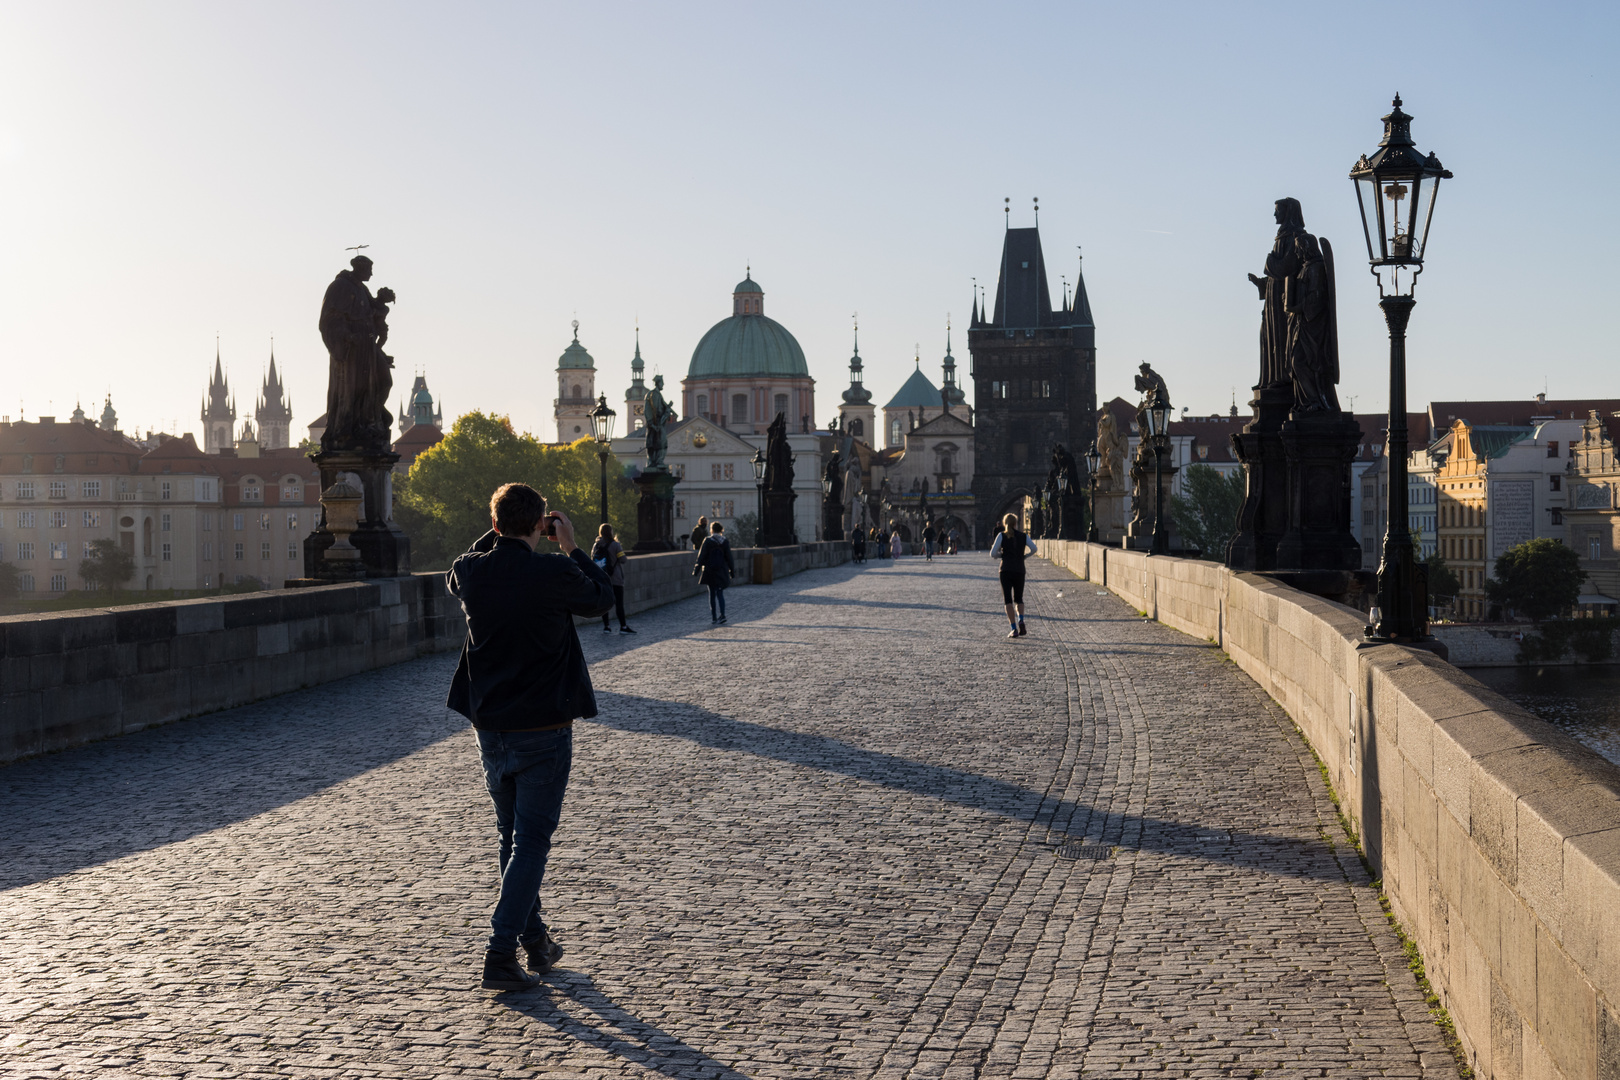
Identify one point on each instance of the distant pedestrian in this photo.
(1011, 547)
(928, 542)
(894, 541)
(522, 681)
(715, 565)
(882, 538)
(608, 553)
(955, 540)
(700, 532)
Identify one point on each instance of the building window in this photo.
(58, 583)
(781, 404)
(292, 552)
(292, 522)
(58, 551)
(1046, 388)
(25, 489)
(1552, 448)
(166, 491)
(739, 408)
(290, 490)
(168, 553)
(236, 521)
(25, 519)
(264, 522)
(238, 552)
(90, 489)
(28, 463)
(58, 519)
(61, 462)
(89, 550)
(25, 582)
(680, 508)
(1557, 516)
(264, 550)
(719, 471)
(1555, 482)
(92, 519)
(679, 471)
(25, 551)
(722, 508)
(207, 552)
(251, 491)
(703, 404)
(58, 489)
(166, 523)
(208, 522)
(947, 484)
(1594, 548)
(856, 428)
(894, 432)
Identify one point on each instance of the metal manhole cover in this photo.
(1085, 851)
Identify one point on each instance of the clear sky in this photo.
(173, 171)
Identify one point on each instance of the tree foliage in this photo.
(443, 504)
(1206, 511)
(1443, 583)
(1539, 578)
(107, 566)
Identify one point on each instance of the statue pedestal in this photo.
(1110, 517)
(385, 551)
(1071, 517)
(777, 529)
(832, 519)
(1319, 448)
(655, 512)
(1263, 516)
(1139, 533)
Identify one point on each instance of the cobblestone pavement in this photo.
(819, 841)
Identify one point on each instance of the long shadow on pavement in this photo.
(92, 804)
(1065, 819)
(634, 1040)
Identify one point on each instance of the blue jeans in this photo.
(717, 601)
(526, 773)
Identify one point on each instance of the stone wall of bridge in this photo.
(78, 676)
(1496, 836)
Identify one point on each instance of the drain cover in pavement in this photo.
(1085, 851)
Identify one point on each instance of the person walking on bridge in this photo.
(522, 681)
(1012, 546)
(608, 553)
(716, 567)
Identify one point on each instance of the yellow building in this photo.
(1592, 521)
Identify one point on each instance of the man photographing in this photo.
(522, 682)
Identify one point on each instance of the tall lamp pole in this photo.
(602, 430)
(1158, 417)
(758, 462)
(1397, 234)
(1093, 458)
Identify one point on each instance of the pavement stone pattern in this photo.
(818, 841)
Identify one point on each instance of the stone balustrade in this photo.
(1496, 836)
(74, 677)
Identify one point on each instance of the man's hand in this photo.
(565, 531)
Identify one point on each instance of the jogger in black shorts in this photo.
(1012, 547)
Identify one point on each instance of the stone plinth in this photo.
(1263, 517)
(777, 528)
(1111, 519)
(1318, 448)
(655, 512)
(832, 520)
(385, 550)
(1139, 533)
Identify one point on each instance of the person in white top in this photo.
(1012, 546)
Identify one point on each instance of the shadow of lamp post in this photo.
(1397, 234)
(1158, 418)
(602, 430)
(1092, 460)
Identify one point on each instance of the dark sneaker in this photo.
(543, 954)
(606, 629)
(1021, 631)
(1013, 632)
(625, 630)
(722, 618)
(503, 972)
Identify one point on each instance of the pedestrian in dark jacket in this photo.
(522, 682)
(700, 532)
(715, 565)
(608, 554)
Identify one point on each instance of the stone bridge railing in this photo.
(1496, 836)
(78, 676)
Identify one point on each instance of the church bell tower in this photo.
(218, 412)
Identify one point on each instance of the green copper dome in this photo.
(575, 355)
(748, 343)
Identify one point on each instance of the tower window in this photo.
(780, 404)
(703, 404)
(578, 393)
(739, 408)
(856, 429)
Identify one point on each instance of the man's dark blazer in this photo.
(522, 666)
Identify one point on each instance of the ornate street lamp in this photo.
(758, 462)
(1158, 418)
(1093, 458)
(1396, 189)
(602, 429)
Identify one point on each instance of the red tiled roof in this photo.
(113, 450)
(416, 440)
